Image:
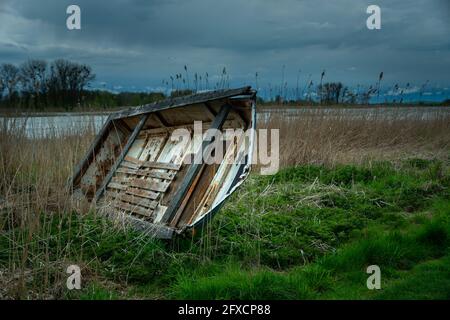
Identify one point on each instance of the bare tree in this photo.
(2, 87)
(33, 77)
(68, 80)
(330, 92)
(10, 75)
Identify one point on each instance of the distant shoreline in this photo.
(260, 107)
(22, 114)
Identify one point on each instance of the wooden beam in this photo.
(146, 173)
(151, 229)
(154, 164)
(212, 114)
(195, 167)
(122, 155)
(121, 125)
(183, 101)
(183, 204)
(90, 153)
(160, 119)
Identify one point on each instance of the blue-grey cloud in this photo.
(137, 42)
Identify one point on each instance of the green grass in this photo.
(308, 232)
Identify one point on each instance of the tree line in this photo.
(61, 84)
(38, 84)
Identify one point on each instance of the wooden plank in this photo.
(151, 229)
(143, 202)
(142, 193)
(209, 109)
(124, 151)
(118, 186)
(133, 208)
(229, 124)
(219, 178)
(149, 185)
(195, 167)
(121, 180)
(137, 147)
(142, 183)
(152, 148)
(84, 162)
(183, 204)
(146, 173)
(126, 164)
(154, 164)
(184, 101)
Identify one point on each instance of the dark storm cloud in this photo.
(140, 42)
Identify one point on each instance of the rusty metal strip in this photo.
(122, 155)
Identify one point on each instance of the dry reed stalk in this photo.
(317, 136)
(33, 176)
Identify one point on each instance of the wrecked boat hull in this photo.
(168, 167)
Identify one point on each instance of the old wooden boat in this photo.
(141, 170)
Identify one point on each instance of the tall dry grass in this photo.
(33, 177)
(324, 137)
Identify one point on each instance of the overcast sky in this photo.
(137, 43)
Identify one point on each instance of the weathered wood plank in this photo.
(151, 173)
(151, 229)
(124, 151)
(154, 164)
(220, 176)
(90, 153)
(132, 208)
(149, 185)
(115, 185)
(152, 148)
(229, 124)
(142, 193)
(129, 165)
(183, 101)
(121, 180)
(195, 168)
(143, 202)
(152, 185)
(183, 204)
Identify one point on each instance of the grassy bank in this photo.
(309, 231)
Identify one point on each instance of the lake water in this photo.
(44, 125)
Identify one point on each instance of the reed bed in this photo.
(34, 170)
(318, 136)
